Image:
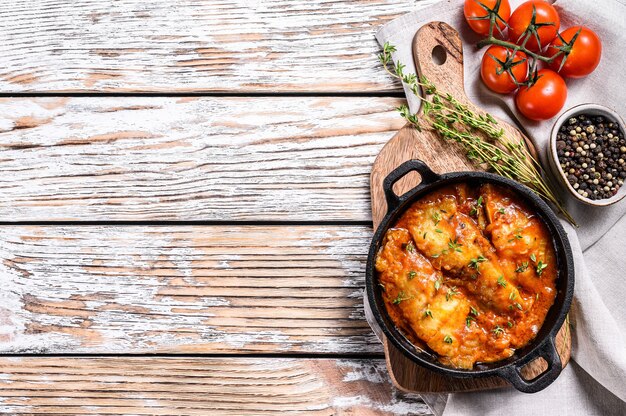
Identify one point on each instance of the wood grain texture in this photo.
(129, 158)
(442, 157)
(192, 45)
(184, 289)
(200, 386)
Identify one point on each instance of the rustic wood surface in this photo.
(261, 122)
(184, 289)
(408, 144)
(190, 45)
(190, 158)
(200, 386)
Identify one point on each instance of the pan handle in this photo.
(428, 177)
(549, 352)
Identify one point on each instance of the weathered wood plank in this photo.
(128, 158)
(184, 289)
(191, 45)
(200, 386)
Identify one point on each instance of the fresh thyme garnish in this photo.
(410, 247)
(541, 266)
(473, 311)
(451, 292)
(401, 297)
(428, 312)
(522, 267)
(436, 217)
(424, 236)
(412, 275)
(474, 263)
(468, 320)
(479, 203)
(502, 282)
(512, 296)
(497, 330)
(509, 324)
(454, 245)
(518, 306)
(447, 339)
(437, 230)
(438, 283)
(533, 258)
(434, 256)
(517, 235)
(483, 139)
(502, 211)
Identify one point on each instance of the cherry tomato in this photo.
(546, 22)
(497, 66)
(544, 99)
(582, 56)
(474, 10)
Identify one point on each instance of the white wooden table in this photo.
(185, 206)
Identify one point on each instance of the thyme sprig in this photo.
(401, 298)
(497, 330)
(480, 135)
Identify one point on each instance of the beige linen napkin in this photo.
(594, 383)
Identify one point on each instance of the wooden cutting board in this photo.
(432, 42)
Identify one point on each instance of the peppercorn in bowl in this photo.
(588, 154)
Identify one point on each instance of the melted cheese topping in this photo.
(468, 274)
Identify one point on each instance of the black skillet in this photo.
(544, 344)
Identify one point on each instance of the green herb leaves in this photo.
(541, 266)
(502, 282)
(474, 263)
(401, 298)
(451, 292)
(455, 246)
(497, 331)
(478, 205)
(447, 339)
(410, 247)
(522, 267)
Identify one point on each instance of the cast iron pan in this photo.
(543, 345)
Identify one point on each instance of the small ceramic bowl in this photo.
(594, 110)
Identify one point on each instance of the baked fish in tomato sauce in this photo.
(469, 273)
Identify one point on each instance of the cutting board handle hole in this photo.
(439, 55)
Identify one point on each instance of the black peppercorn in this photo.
(592, 152)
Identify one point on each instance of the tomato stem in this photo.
(491, 40)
